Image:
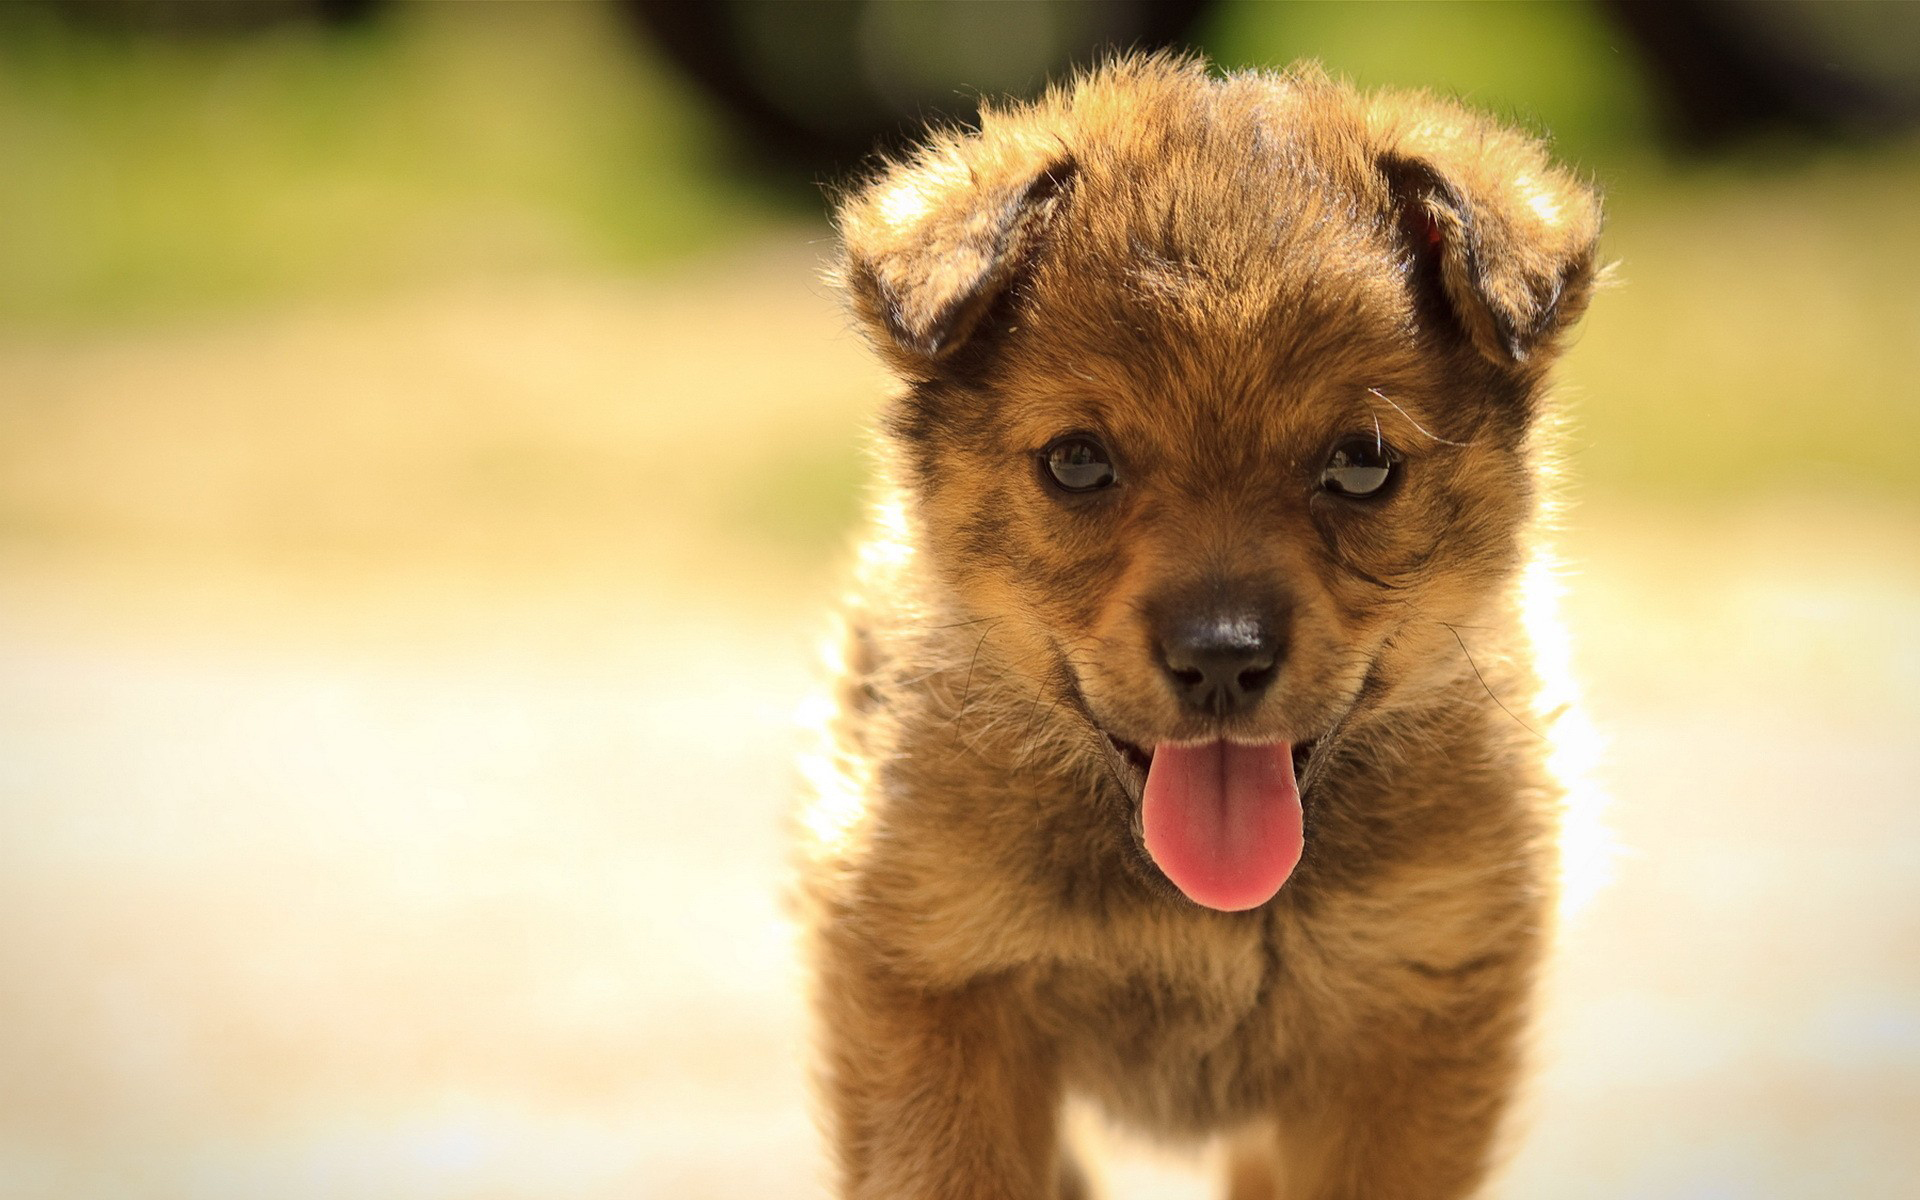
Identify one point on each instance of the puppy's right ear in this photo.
(929, 246)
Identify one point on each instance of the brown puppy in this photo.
(1162, 773)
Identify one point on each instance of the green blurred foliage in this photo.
(149, 173)
(1549, 65)
(1763, 334)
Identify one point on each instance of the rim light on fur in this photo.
(1587, 845)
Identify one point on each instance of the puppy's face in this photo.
(1218, 411)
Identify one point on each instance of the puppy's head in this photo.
(1218, 406)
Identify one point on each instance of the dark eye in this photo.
(1078, 463)
(1359, 466)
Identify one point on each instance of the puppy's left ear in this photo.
(930, 245)
(1506, 238)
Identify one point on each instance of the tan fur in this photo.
(1219, 276)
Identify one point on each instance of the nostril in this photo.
(1220, 666)
(1218, 654)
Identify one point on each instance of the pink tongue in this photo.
(1223, 821)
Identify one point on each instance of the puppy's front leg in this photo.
(1415, 1128)
(945, 1095)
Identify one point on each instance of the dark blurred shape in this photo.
(209, 17)
(1729, 69)
(819, 84)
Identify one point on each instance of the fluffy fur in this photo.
(1218, 276)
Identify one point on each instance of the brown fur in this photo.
(1219, 276)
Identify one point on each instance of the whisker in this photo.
(966, 689)
(1417, 425)
(963, 624)
(1484, 684)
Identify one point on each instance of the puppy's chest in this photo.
(1173, 1050)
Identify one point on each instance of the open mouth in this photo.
(1138, 759)
(1222, 821)
(1133, 763)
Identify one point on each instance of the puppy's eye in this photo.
(1359, 466)
(1078, 462)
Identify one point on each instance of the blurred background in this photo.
(426, 457)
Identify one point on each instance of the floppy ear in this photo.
(929, 246)
(1506, 238)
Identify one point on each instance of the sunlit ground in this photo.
(397, 665)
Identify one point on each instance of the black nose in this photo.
(1220, 664)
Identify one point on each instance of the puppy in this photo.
(1182, 758)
